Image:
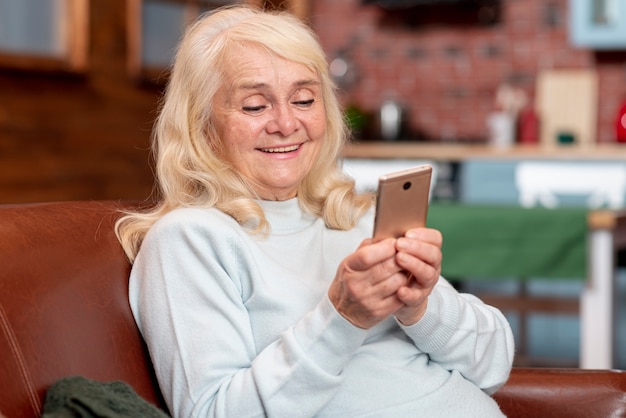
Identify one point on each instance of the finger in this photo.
(366, 306)
(370, 254)
(388, 301)
(388, 287)
(423, 273)
(422, 250)
(430, 235)
(415, 305)
(412, 295)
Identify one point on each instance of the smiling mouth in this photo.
(280, 149)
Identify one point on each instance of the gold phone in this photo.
(402, 202)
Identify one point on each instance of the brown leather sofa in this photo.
(64, 312)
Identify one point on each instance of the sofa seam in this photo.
(20, 361)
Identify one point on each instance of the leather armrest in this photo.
(567, 393)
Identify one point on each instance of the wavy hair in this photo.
(186, 147)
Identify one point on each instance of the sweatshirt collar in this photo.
(286, 215)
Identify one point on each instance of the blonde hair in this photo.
(189, 170)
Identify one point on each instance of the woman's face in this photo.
(270, 117)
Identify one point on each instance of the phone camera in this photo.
(407, 185)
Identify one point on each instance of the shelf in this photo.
(457, 152)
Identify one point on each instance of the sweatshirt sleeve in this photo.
(188, 299)
(462, 333)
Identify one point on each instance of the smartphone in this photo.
(402, 202)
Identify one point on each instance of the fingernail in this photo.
(402, 244)
(412, 233)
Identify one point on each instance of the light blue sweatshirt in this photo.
(240, 325)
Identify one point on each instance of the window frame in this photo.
(74, 60)
(145, 73)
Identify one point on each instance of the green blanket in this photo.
(511, 242)
(78, 397)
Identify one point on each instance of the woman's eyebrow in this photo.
(252, 86)
(262, 86)
(307, 82)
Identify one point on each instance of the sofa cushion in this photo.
(63, 304)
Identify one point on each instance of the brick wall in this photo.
(445, 68)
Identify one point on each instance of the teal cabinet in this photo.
(598, 24)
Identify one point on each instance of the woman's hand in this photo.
(364, 289)
(388, 277)
(419, 255)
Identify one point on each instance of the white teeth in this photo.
(281, 149)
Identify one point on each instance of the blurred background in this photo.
(80, 79)
(498, 95)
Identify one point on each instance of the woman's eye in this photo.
(253, 109)
(304, 103)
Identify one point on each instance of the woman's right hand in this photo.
(365, 286)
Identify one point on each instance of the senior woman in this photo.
(255, 283)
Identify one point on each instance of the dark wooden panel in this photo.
(68, 136)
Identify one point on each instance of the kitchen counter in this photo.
(457, 152)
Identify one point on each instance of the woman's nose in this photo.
(284, 121)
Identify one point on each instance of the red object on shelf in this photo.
(528, 126)
(621, 124)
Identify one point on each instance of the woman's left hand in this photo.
(419, 254)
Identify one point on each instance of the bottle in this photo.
(501, 129)
(620, 124)
(528, 126)
(390, 120)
